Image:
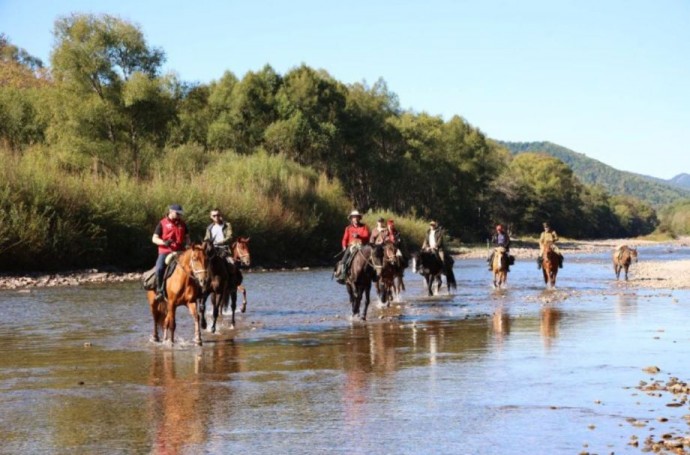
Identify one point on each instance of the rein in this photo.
(196, 271)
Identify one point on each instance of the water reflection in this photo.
(500, 323)
(175, 406)
(550, 317)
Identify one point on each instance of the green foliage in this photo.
(592, 172)
(675, 218)
(110, 106)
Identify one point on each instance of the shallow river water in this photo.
(522, 370)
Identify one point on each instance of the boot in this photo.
(560, 262)
(539, 263)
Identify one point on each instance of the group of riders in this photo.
(357, 235)
(172, 236)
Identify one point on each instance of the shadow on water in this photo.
(516, 370)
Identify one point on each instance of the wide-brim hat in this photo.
(176, 208)
(353, 214)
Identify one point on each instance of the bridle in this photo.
(236, 255)
(198, 273)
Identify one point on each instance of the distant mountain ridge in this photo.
(657, 192)
(682, 180)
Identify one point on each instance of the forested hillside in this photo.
(95, 146)
(590, 171)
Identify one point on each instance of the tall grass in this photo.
(51, 219)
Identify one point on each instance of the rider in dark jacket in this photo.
(500, 238)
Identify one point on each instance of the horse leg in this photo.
(216, 301)
(169, 323)
(617, 270)
(244, 298)
(233, 306)
(626, 271)
(155, 314)
(367, 290)
(193, 311)
(202, 309)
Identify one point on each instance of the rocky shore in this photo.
(658, 274)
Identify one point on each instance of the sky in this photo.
(607, 78)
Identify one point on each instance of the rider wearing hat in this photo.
(546, 237)
(171, 235)
(356, 234)
(500, 238)
(434, 241)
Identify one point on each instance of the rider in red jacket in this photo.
(171, 235)
(356, 234)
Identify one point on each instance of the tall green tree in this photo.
(111, 104)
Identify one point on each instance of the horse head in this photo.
(196, 259)
(240, 251)
(633, 254)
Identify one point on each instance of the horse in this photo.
(549, 265)
(390, 283)
(622, 258)
(224, 281)
(431, 267)
(358, 280)
(187, 283)
(499, 266)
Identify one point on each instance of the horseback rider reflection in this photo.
(356, 234)
(500, 238)
(548, 237)
(171, 235)
(220, 233)
(434, 241)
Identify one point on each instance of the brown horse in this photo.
(390, 283)
(549, 265)
(622, 258)
(359, 278)
(224, 280)
(184, 287)
(500, 267)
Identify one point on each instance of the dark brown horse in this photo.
(429, 265)
(622, 258)
(184, 287)
(549, 265)
(390, 283)
(359, 278)
(224, 280)
(500, 267)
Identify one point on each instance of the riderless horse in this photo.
(431, 267)
(499, 266)
(622, 258)
(225, 280)
(359, 278)
(549, 264)
(184, 286)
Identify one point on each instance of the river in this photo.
(523, 370)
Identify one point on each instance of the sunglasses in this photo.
(217, 215)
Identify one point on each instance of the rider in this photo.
(220, 232)
(396, 239)
(547, 236)
(500, 238)
(434, 241)
(380, 234)
(356, 234)
(171, 235)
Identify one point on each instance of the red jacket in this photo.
(173, 230)
(355, 234)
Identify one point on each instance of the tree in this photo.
(112, 105)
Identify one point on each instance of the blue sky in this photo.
(610, 79)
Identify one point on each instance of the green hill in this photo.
(657, 192)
